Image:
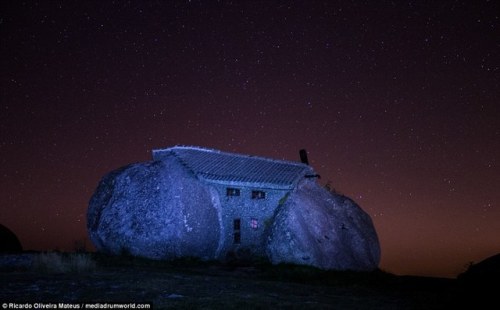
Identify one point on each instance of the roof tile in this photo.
(237, 169)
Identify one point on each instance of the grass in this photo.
(52, 262)
(194, 283)
(260, 269)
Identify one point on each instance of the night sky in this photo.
(396, 102)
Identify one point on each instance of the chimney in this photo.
(303, 156)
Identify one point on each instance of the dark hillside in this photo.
(190, 283)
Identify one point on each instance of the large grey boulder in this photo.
(322, 229)
(155, 210)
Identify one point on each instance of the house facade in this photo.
(249, 190)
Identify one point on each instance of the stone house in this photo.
(249, 188)
(198, 202)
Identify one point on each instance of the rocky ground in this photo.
(201, 285)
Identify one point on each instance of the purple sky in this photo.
(398, 105)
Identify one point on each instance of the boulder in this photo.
(155, 210)
(322, 229)
(9, 241)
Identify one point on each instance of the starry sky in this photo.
(396, 102)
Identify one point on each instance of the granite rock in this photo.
(323, 229)
(155, 210)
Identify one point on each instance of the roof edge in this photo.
(199, 148)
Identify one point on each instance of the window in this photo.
(258, 195)
(232, 191)
(237, 233)
(254, 223)
(237, 224)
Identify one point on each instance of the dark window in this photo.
(237, 233)
(237, 237)
(232, 191)
(258, 195)
(237, 224)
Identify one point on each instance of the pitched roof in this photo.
(237, 169)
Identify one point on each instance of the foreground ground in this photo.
(199, 285)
